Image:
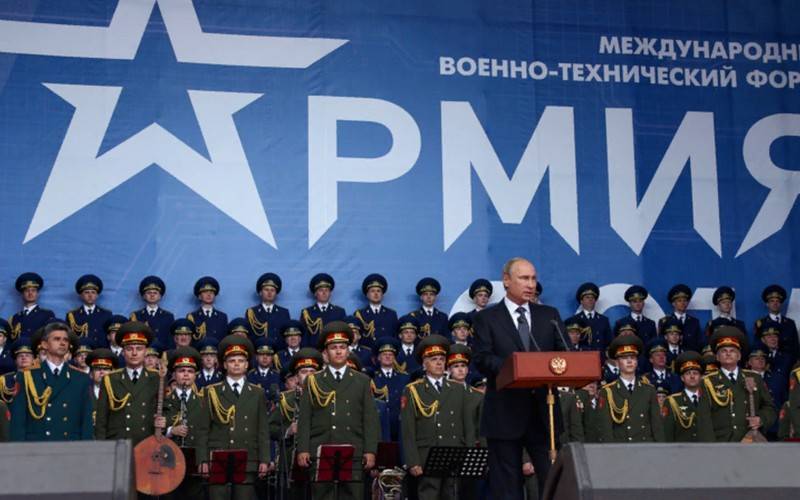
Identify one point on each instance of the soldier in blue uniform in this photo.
(183, 331)
(6, 359)
(209, 373)
(88, 319)
(239, 326)
(679, 296)
(408, 333)
(723, 298)
(315, 317)
(672, 330)
(480, 291)
(389, 382)
(576, 329)
(292, 334)
(79, 356)
(768, 339)
(207, 319)
(357, 348)
(777, 383)
(152, 289)
(460, 327)
(659, 373)
(268, 318)
(263, 373)
(377, 320)
(54, 400)
(31, 317)
(773, 297)
(600, 336)
(645, 327)
(111, 328)
(431, 320)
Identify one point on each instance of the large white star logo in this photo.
(79, 176)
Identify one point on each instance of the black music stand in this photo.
(457, 462)
(228, 467)
(335, 464)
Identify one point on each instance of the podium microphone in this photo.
(558, 329)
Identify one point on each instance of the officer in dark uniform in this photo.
(263, 374)
(209, 372)
(389, 381)
(322, 312)
(292, 334)
(359, 349)
(238, 418)
(54, 400)
(31, 317)
(672, 331)
(600, 335)
(645, 327)
(728, 390)
(768, 339)
(377, 320)
(408, 333)
(480, 291)
(87, 321)
(773, 297)
(460, 328)
(577, 333)
(723, 298)
(659, 373)
(183, 332)
(338, 407)
(127, 405)
(435, 413)
(268, 318)
(111, 328)
(6, 359)
(207, 319)
(630, 411)
(685, 418)
(152, 289)
(185, 413)
(431, 320)
(679, 296)
(239, 326)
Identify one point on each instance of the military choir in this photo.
(284, 389)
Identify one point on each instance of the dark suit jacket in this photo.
(507, 414)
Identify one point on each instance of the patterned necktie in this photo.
(523, 329)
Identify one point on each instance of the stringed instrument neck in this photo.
(162, 375)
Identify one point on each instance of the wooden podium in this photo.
(532, 370)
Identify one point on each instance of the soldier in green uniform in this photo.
(687, 418)
(283, 419)
(789, 425)
(54, 402)
(186, 415)
(101, 362)
(238, 418)
(572, 408)
(337, 407)
(629, 408)
(458, 360)
(727, 390)
(127, 404)
(435, 412)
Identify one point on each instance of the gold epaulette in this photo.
(679, 415)
(418, 381)
(151, 370)
(382, 393)
(118, 370)
(608, 384)
(73, 367)
(710, 374)
(675, 395)
(215, 384)
(277, 361)
(645, 380)
(133, 316)
(752, 372)
(190, 317)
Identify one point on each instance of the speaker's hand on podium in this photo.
(369, 461)
(304, 459)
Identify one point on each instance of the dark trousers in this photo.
(505, 466)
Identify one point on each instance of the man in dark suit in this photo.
(514, 419)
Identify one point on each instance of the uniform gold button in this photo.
(127, 416)
(438, 425)
(440, 437)
(65, 434)
(333, 427)
(127, 429)
(48, 419)
(65, 419)
(65, 405)
(231, 441)
(245, 417)
(231, 429)
(49, 405)
(46, 433)
(333, 414)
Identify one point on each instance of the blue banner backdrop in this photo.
(619, 142)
